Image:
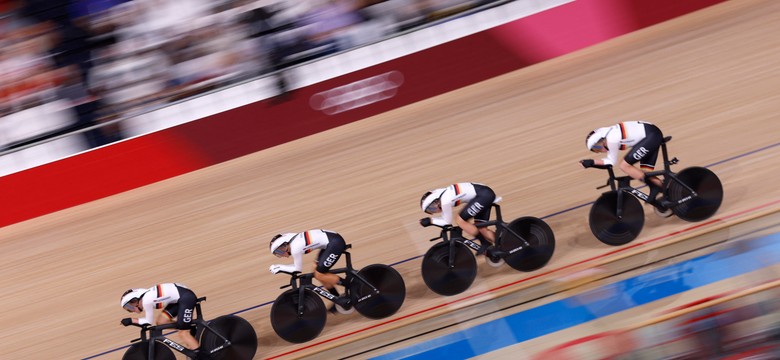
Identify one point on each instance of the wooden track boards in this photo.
(709, 79)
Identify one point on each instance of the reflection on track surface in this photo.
(749, 256)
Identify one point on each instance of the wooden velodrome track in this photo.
(710, 79)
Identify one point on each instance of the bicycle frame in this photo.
(155, 334)
(622, 184)
(450, 234)
(305, 282)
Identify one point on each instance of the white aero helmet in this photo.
(279, 240)
(428, 198)
(131, 294)
(595, 136)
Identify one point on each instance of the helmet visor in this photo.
(281, 250)
(130, 307)
(597, 148)
(433, 207)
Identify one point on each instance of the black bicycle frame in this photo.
(305, 282)
(622, 184)
(156, 335)
(501, 226)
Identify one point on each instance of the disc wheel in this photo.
(140, 351)
(241, 334)
(540, 244)
(605, 224)
(709, 194)
(442, 279)
(392, 291)
(293, 328)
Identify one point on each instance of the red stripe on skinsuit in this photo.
(623, 135)
(308, 241)
(159, 295)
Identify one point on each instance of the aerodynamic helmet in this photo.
(595, 136)
(427, 202)
(130, 295)
(279, 240)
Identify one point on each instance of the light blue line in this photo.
(616, 297)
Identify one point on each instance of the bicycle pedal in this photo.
(663, 214)
(495, 253)
(343, 301)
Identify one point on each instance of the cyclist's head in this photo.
(594, 140)
(280, 244)
(131, 300)
(431, 201)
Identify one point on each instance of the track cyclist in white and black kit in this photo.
(478, 199)
(331, 246)
(643, 141)
(176, 301)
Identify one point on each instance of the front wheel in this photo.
(608, 227)
(140, 351)
(536, 251)
(446, 280)
(709, 194)
(298, 328)
(391, 295)
(241, 334)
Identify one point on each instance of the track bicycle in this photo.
(450, 267)
(693, 194)
(227, 337)
(298, 314)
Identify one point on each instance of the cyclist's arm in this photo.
(297, 264)
(446, 212)
(148, 317)
(612, 154)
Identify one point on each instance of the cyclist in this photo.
(478, 199)
(176, 301)
(331, 246)
(644, 140)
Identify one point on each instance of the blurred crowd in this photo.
(111, 58)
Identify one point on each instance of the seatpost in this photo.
(198, 310)
(348, 258)
(665, 156)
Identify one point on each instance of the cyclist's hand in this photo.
(587, 163)
(127, 321)
(425, 222)
(275, 268)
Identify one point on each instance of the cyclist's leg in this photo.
(646, 153)
(479, 209)
(327, 258)
(185, 309)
